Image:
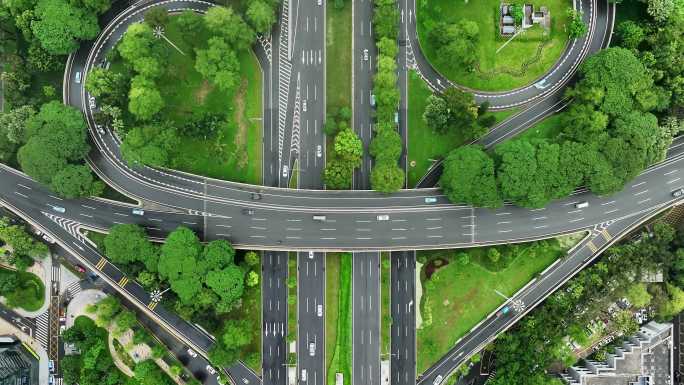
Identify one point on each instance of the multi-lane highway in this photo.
(366, 318)
(274, 316)
(311, 317)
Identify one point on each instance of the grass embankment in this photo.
(235, 153)
(457, 296)
(423, 143)
(386, 314)
(291, 305)
(339, 341)
(549, 128)
(30, 292)
(502, 70)
(338, 71)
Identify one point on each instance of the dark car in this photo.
(256, 196)
(80, 269)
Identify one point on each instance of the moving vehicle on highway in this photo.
(582, 205)
(210, 369)
(383, 217)
(504, 310)
(138, 212)
(192, 353)
(438, 380)
(312, 349)
(59, 209)
(678, 192)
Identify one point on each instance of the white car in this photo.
(312, 349)
(78, 77)
(319, 151)
(91, 102)
(286, 169)
(540, 85)
(320, 2)
(140, 212)
(59, 209)
(430, 200)
(192, 353)
(319, 310)
(100, 129)
(211, 370)
(311, 254)
(304, 105)
(383, 217)
(365, 55)
(678, 192)
(438, 380)
(303, 375)
(48, 239)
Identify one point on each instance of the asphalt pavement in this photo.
(402, 309)
(366, 318)
(311, 318)
(274, 316)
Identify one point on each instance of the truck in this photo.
(503, 311)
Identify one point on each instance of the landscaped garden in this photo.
(22, 289)
(199, 108)
(492, 68)
(459, 288)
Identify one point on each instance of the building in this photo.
(530, 17)
(643, 359)
(17, 365)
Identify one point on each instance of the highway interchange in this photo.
(293, 63)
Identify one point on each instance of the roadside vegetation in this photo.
(210, 284)
(427, 144)
(344, 151)
(22, 289)
(588, 303)
(339, 291)
(462, 40)
(460, 288)
(386, 147)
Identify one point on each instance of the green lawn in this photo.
(250, 311)
(30, 293)
(236, 152)
(523, 48)
(386, 315)
(457, 297)
(338, 342)
(549, 128)
(423, 143)
(338, 56)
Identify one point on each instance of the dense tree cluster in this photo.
(609, 135)
(53, 147)
(576, 28)
(456, 43)
(456, 111)
(24, 246)
(348, 150)
(538, 341)
(386, 146)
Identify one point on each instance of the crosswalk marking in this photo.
(101, 263)
(42, 329)
(592, 247)
(123, 281)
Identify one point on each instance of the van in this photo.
(320, 218)
(582, 205)
(303, 375)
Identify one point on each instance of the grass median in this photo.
(459, 288)
(339, 341)
(29, 293)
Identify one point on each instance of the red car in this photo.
(80, 269)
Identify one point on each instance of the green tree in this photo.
(261, 15)
(40, 60)
(630, 33)
(142, 50)
(108, 86)
(577, 28)
(638, 295)
(236, 334)
(387, 177)
(219, 64)
(8, 284)
(385, 16)
(386, 146)
(468, 177)
(74, 181)
(149, 145)
(436, 114)
(14, 122)
(144, 99)
(252, 258)
(456, 43)
(59, 26)
(217, 254)
(148, 373)
(61, 129)
(157, 17)
(224, 22)
(228, 283)
(178, 262)
(252, 279)
(128, 243)
(348, 147)
(660, 10)
(93, 6)
(463, 113)
(125, 320)
(40, 164)
(338, 174)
